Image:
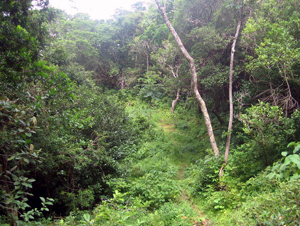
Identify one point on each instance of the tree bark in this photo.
(230, 91)
(194, 79)
(175, 101)
(123, 82)
(147, 62)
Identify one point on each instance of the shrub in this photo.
(178, 214)
(281, 207)
(266, 132)
(208, 177)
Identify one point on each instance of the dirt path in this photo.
(167, 127)
(185, 197)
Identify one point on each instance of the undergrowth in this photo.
(171, 178)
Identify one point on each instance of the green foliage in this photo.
(208, 41)
(65, 135)
(155, 188)
(271, 34)
(207, 177)
(153, 181)
(265, 134)
(124, 210)
(289, 168)
(83, 144)
(277, 208)
(118, 211)
(17, 152)
(258, 201)
(151, 89)
(178, 215)
(84, 199)
(222, 200)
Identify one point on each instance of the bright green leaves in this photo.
(278, 48)
(21, 49)
(289, 168)
(261, 123)
(79, 118)
(24, 33)
(22, 182)
(294, 160)
(151, 88)
(45, 202)
(259, 118)
(295, 145)
(17, 51)
(265, 133)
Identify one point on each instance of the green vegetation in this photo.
(88, 136)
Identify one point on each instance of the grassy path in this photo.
(185, 198)
(171, 132)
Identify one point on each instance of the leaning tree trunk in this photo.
(175, 101)
(194, 79)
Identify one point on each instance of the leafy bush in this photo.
(281, 207)
(223, 199)
(155, 188)
(123, 209)
(178, 214)
(84, 199)
(153, 180)
(266, 126)
(83, 143)
(151, 89)
(208, 177)
(289, 169)
(17, 126)
(266, 132)
(120, 210)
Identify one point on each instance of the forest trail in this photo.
(169, 129)
(185, 197)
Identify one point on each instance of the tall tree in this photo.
(194, 82)
(230, 94)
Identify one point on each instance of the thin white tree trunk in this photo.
(147, 62)
(175, 101)
(123, 82)
(194, 79)
(230, 91)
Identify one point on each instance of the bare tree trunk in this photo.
(230, 123)
(175, 101)
(194, 79)
(230, 91)
(123, 82)
(147, 62)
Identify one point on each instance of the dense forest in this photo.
(178, 112)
